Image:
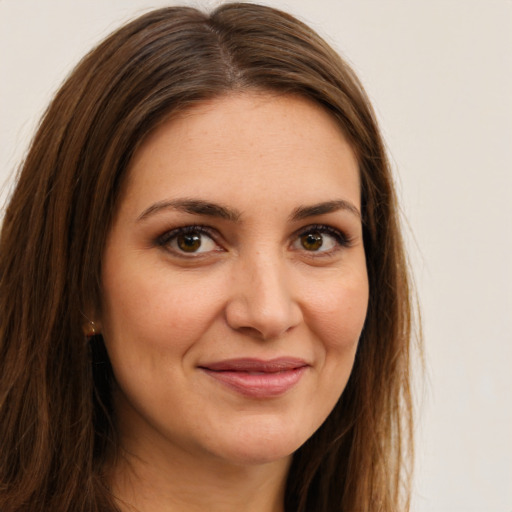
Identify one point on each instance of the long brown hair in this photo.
(55, 412)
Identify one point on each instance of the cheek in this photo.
(155, 306)
(336, 315)
(337, 311)
(151, 323)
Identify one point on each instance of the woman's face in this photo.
(234, 281)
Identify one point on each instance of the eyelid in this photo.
(342, 239)
(164, 239)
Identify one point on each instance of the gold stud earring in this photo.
(91, 330)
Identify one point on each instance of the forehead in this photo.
(231, 146)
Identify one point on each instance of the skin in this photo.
(256, 287)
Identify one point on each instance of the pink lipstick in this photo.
(258, 378)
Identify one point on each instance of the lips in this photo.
(257, 378)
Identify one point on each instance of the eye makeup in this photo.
(195, 241)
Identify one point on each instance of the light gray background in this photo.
(440, 75)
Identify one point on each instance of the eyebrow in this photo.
(193, 206)
(206, 208)
(303, 212)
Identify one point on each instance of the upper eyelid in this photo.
(170, 234)
(322, 228)
(207, 230)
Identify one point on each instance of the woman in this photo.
(203, 287)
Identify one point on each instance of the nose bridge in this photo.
(263, 301)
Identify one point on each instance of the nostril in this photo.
(262, 333)
(262, 323)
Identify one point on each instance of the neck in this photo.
(180, 482)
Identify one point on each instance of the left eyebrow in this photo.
(303, 212)
(194, 207)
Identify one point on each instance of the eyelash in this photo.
(337, 234)
(341, 239)
(168, 236)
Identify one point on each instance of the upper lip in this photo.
(250, 364)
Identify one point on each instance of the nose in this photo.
(262, 302)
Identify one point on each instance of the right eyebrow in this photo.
(193, 206)
(303, 212)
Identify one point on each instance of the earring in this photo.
(91, 331)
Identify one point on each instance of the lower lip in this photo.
(259, 385)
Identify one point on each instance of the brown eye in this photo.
(312, 241)
(189, 242)
(319, 240)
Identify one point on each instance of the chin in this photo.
(257, 456)
(264, 445)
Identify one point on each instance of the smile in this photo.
(258, 378)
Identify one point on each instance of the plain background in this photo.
(440, 75)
